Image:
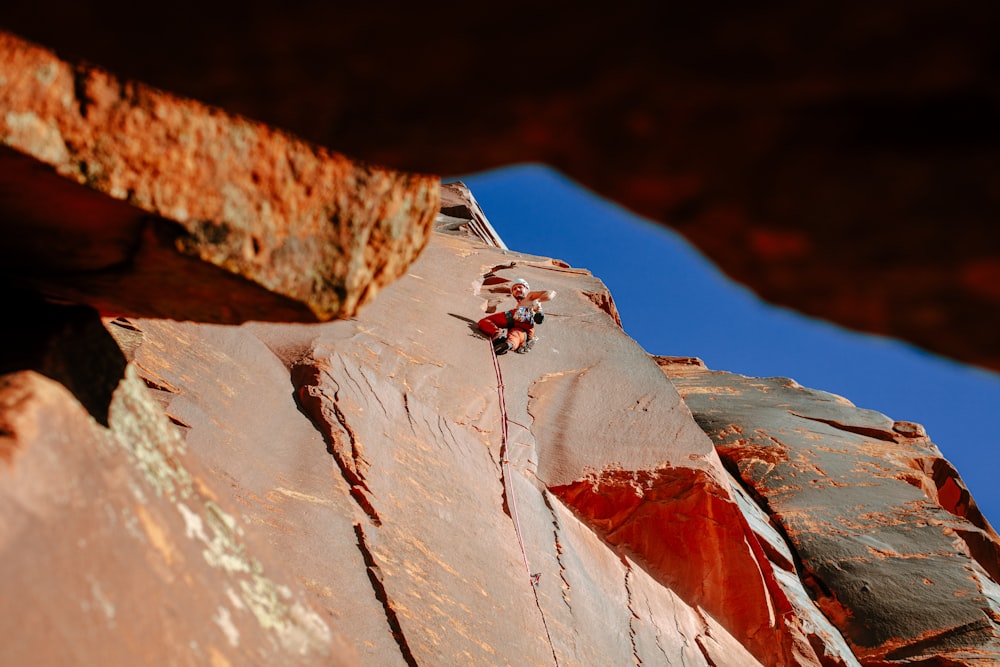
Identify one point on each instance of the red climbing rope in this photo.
(505, 463)
(533, 577)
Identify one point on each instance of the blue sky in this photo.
(673, 301)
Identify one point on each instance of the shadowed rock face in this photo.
(838, 158)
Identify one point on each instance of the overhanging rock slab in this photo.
(139, 202)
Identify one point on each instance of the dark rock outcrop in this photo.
(837, 158)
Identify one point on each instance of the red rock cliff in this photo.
(376, 490)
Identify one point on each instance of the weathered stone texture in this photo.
(117, 550)
(370, 453)
(111, 180)
(342, 493)
(373, 490)
(904, 572)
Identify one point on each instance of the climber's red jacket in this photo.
(518, 321)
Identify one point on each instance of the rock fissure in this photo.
(557, 545)
(510, 505)
(867, 431)
(409, 415)
(684, 640)
(317, 405)
(378, 588)
(443, 428)
(709, 661)
(353, 462)
(633, 616)
(372, 391)
(658, 637)
(534, 578)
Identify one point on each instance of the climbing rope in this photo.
(505, 464)
(533, 577)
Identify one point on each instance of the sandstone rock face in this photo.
(885, 535)
(382, 489)
(117, 550)
(369, 451)
(140, 202)
(348, 493)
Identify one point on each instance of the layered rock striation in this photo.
(884, 533)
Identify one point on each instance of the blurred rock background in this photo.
(839, 159)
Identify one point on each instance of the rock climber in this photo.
(514, 329)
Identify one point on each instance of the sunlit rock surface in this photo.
(885, 534)
(369, 451)
(118, 549)
(342, 493)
